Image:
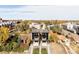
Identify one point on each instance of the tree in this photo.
(53, 37)
(56, 29)
(12, 44)
(4, 34)
(23, 26)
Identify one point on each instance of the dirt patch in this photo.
(57, 48)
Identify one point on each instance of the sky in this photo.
(39, 12)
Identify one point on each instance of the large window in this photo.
(45, 35)
(34, 35)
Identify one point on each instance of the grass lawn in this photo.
(44, 51)
(36, 51)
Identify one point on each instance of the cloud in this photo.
(17, 11)
(40, 12)
(11, 6)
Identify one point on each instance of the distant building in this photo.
(76, 27)
(34, 25)
(37, 26)
(70, 27)
(49, 26)
(8, 23)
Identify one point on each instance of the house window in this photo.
(43, 41)
(45, 35)
(34, 35)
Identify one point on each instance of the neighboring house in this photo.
(8, 22)
(76, 27)
(49, 26)
(24, 39)
(70, 27)
(37, 26)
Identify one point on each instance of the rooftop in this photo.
(39, 30)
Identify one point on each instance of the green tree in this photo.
(23, 26)
(53, 38)
(56, 29)
(4, 34)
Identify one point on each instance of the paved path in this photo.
(49, 48)
(31, 49)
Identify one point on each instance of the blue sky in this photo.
(39, 12)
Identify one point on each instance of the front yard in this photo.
(36, 51)
(44, 51)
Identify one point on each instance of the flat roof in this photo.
(39, 30)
